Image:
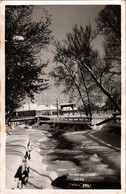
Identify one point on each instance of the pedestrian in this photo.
(18, 178)
(29, 147)
(27, 155)
(25, 175)
(27, 158)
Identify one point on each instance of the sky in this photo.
(64, 17)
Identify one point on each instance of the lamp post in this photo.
(29, 105)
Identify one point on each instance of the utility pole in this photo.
(57, 107)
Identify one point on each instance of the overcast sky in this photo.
(64, 17)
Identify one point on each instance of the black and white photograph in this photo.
(63, 96)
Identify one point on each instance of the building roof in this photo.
(67, 104)
(27, 106)
(45, 107)
(42, 107)
(52, 107)
(36, 107)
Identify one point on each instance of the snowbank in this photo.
(16, 145)
(40, 176)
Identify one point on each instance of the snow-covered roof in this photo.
(28, 106)
(42, 107)
(52, 107)
(45, 107)
(36, 107)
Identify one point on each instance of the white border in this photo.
(88, 2)
(123, 97)
(2, 95)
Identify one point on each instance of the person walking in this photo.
(18, 178)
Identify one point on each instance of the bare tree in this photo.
(76, 48)
(66, 73)
(109, 26)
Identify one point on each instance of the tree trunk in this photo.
(87, 91)
(86, 110)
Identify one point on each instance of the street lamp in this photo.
(18, 38)
(15, 39)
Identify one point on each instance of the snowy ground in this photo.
(47, 163)
(16, 144)
(91, 154)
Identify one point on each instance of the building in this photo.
(67, 108)
(46, 110)
(34, 109)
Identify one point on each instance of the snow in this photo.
(15, 150)
(106, 145)
(102, 155)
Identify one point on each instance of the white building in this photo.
(34, 109)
